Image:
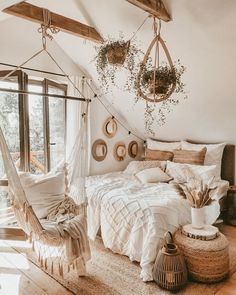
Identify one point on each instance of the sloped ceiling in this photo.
(201, 35)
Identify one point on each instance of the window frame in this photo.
(24, 130)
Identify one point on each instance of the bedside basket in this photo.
(207, 261)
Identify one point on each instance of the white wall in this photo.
(20, 40)
(98, 117)
(201, 35)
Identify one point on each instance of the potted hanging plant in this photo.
(156, 86)
(116, 52)
(113, 56)
(161, 80)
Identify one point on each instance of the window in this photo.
(34, 126)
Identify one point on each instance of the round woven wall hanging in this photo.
(133, 149)
(110, 127)
(99, 150)
(119, 151)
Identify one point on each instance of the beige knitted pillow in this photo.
(190, 157)
(158, 155)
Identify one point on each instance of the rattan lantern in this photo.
(170, 270)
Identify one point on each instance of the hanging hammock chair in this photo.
(59, 240)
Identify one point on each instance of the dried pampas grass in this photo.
(197, 192)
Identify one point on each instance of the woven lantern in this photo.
(170, 271)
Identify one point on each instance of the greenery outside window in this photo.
(34, 126)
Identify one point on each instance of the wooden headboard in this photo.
(228, 164)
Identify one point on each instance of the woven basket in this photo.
(169, 270)
(118, 55)
(207, 261)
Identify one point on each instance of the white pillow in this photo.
(135, 166)
(213, 155)
(153, 175)
(43, 192)
(163, 146)
(183, 172)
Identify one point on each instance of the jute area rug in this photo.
(114, 274)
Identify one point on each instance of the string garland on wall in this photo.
(107, 108)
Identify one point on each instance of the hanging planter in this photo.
(156, 81)
(114, 56)
(116, 52)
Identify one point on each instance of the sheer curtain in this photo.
(78, 140)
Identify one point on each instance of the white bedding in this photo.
(134, 217)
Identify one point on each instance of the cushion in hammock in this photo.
(43, 192)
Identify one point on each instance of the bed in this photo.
(133, 216)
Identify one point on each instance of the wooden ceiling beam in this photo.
(35, 14)
(154, 7)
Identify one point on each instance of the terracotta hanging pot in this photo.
(116, 55)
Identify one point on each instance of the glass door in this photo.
(55, 123)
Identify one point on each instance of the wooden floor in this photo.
(19, 276)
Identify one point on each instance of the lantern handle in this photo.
(165, 238)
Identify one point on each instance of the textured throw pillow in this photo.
(190, 157)
(183, 172)
(162, 146)
(43, 192)
(153, 175)
(136, 166)
(214, 153)
(158, 155)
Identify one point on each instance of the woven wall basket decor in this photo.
(110, 127)
(99, 150)
(119, 151)
(133, 149)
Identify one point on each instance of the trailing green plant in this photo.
(166, 77)
(113, 56)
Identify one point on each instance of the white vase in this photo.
(198, 217)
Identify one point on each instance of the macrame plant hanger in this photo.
(47, 30)
(157, 41)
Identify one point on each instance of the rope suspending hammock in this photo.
(60, 237)
(45, 27)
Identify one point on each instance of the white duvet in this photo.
(133, 217)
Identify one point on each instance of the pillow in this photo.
(136, 166)
(183, 172)
(153, 175)
(44, 192)
(158, 155)
(163, 146)
(213, 155)
(190, 157)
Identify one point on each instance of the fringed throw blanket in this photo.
(67, 223)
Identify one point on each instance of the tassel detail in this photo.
(52, 268)
(46, 263)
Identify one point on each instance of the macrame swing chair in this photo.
(60, 242)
